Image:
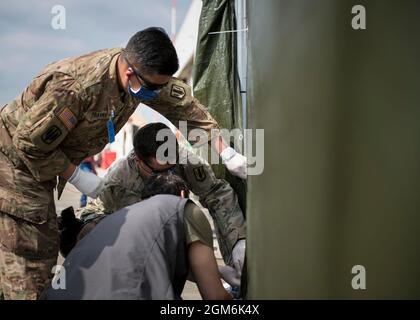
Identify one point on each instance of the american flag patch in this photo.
(68, 118)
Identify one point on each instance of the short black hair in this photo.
(146, 144)
(151, 51)
(164, 183)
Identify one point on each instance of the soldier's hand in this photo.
(86, 182)
(235, 162)
(238, 256)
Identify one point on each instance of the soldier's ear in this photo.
(185, 194)
(137, 160)
(129, 72)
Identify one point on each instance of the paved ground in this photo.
(71, 196)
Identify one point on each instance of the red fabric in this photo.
(108, 157)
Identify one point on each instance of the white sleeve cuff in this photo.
(227, 154)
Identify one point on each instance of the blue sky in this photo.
(28, 42)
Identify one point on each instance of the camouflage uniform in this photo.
(60, 118)
(124, 185)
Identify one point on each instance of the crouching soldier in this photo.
(124, 184)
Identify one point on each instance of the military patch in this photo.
(200, 173)
(177, 92)
(51, 134)
(67, 118)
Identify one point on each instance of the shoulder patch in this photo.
(67, 118)
(51, 134)
(177, 92)
(200, 173)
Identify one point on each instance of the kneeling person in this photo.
(145, 251)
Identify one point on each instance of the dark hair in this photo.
(164, 183)
(146, 144)
(151, 50)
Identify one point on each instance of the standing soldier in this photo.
(70, 111)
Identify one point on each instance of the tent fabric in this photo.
(215, 76)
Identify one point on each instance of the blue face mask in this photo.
(143, 93)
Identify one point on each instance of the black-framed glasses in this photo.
(144, 82)
(155, 172)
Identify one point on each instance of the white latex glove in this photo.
(238, 256)
(235, 162)
(230, 275)
(86, 182)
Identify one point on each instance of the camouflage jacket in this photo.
(60, 118)
(124, 185)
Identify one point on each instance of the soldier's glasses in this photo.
(155, 172)
(144, 82)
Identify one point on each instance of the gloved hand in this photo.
(238, 256)
(235, 162)
(86, 182)
(230, 275)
